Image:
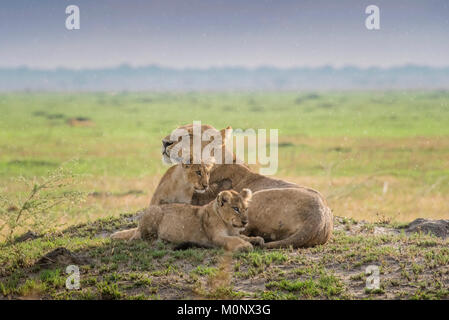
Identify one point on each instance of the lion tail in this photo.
(129, 234)
(148, 226)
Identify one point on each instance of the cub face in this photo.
(198, 175)
(233, 207)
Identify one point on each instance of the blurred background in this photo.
(363, 115)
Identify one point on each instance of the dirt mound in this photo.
(30, 235)
(61, 256)
(439, 228)
(414, 265)
(80, 122)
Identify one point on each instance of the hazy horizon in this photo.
(214, 67)
(216, 33)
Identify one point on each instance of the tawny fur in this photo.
(217, 223)
(283, 213)
(177, 185)
(180, 182)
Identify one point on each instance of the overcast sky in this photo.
(204, 33)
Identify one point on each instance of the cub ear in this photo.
(210, 163)
(246, 194)
(186, 163)
(223, 197)
(225, 134)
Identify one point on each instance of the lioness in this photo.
(215, 224)
(180, 182)
(283, 213)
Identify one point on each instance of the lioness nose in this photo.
(244, 222)
(166, 143)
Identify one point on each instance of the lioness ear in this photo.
(246, 194)
(225, 134)
(223, 197)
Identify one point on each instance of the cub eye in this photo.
(198, 173)
(236, 209)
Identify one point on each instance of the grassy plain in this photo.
(374, 155)
(382, 157)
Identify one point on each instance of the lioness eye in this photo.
(198, 173)
(236, 209)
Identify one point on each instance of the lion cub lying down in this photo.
(215, 224)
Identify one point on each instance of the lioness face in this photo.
(168, 144)
(233, 207)
(198, 175)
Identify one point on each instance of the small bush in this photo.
(41, 206)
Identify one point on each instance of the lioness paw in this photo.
(258, 241)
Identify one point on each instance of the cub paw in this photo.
(244, 247)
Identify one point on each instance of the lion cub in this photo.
(180, 182)
(215, 224)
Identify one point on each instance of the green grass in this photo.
(325, 285)
(137, 270)
(377, 156)
(345, 144)
(34, 140)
